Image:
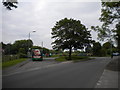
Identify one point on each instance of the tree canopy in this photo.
(97, 49)
(110, 15)
(17, 46)
(70, 34)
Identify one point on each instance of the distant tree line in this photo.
(101, 50)
(20, 47)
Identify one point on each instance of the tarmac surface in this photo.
(104, 79)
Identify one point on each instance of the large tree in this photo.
(110, 16)
(70, 34)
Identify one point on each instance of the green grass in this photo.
(73, 58)
(55, 56)
(61, 59)
(12, 62)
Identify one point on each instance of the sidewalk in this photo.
(109, 78)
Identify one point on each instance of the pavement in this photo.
(109, 78)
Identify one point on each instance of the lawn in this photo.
(12, 62)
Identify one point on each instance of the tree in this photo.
(110, 15)
(22, 50)
(107, 45)
(97, 49)
(8, 49)
(36, 47)
(88, 49)
(22, 44)
(117, 36)
(9, 4)
(69, 34)
(3, 45)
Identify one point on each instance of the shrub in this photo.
(21, 55)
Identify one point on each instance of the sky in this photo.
(42, 15)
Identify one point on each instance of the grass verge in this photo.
(73, 58)
(61, 59)
(12, 62)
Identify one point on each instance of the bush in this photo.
(9, 57)
(103, 52)
(21, 55)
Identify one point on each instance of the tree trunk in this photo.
(70, 51)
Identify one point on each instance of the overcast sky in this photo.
(41, 16)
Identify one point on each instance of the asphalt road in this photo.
(64, 75)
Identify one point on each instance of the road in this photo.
(83, 74)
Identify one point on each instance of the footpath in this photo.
(109, 78)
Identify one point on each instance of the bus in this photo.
(37, 55)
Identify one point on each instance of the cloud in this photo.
(42, 16)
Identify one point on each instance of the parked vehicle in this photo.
(116, 54)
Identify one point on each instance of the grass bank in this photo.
(12, 62)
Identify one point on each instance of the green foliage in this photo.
(110, 12)
(117, 36)
(61, 59)
(88, 49)
(22, 50)
(8, 48)
(36, 47)
(70, 34)
(45, 50)
(110, 15)
(18, 46)
(74, 58)
(107, 45)
(103, 52)
(22, 55)
(22, 44)
(96, 49)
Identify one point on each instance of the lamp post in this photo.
(29, 43)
